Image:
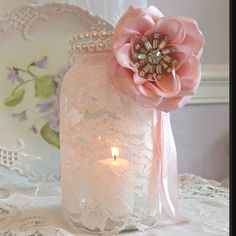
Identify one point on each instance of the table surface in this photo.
(29, 208)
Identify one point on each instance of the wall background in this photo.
(201, 131)
(202, 140)
(213, 19)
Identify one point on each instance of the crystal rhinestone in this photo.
(152, 69)
(146, 68)
(136, 64)
(142, 62)
(169, 70)
(159, 69)
(166, 51)
(86, 35)
(174, 62)
(150, 76)
(158, 77)
(174, 49)
(154, 56)
(162, 44)
(166, 38)
(167, 59)
(156, 35)
(148, 45)
(141, 56)
(137, 46)
(143, 50)
(165, 66)
(135, 55)
(154, 43)
(142, 73)
(144, 38)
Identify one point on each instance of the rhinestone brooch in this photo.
(152, 56)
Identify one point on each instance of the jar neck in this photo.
(91, 48)
(90, 42)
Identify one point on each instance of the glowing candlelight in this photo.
(115, 154)
(117, 164)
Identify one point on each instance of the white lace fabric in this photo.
(33, 209)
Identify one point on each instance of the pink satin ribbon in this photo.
(164, 152)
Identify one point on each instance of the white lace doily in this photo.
(33, 209)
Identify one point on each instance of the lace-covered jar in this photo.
(109, 174)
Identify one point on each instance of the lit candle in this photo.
(118, 197)
(117, 164)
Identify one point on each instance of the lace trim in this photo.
(16, 220)
(192, 186)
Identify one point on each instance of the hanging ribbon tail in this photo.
(164, 152)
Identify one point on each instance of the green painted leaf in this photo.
(45, 86)
(15, 98)
(50, 136)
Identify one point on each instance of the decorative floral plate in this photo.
(33, 61)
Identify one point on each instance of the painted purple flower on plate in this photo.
(42, 63)
(12, 75)
(22, 116)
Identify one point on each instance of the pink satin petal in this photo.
(169, 85)
(199, 53)
(190, 76)
(120, 39)
(124, 32)
(171, 27)
(165, 155)
(193, 36)
(171, 104)
(132, 12)
(149, 90)
(122, 80)
(139, 80)
(154, 13)
(183, 53)
(123, 56)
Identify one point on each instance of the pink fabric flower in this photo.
(175, 88)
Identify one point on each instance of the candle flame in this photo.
(115, 151)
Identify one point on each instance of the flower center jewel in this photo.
(152, 56)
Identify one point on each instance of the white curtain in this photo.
(111, 10)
